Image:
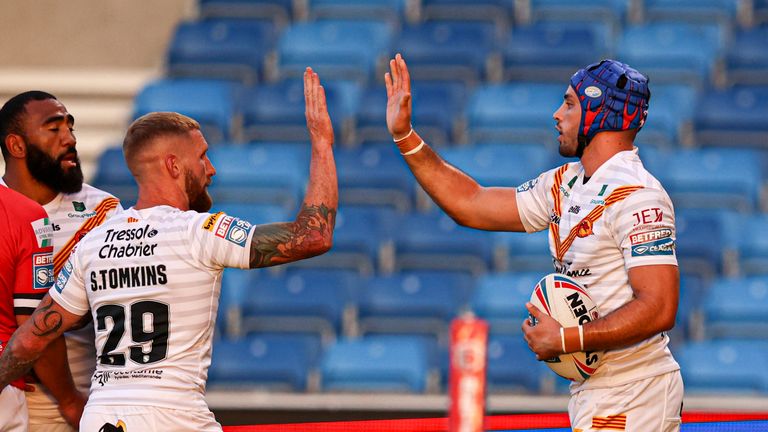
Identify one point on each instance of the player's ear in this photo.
(16, 146)
(173, 165)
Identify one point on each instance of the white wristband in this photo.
(414, 150)
(581, 337)
(410, 132)
(562, 338)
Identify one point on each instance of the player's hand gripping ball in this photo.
(566, 301)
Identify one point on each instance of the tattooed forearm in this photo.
(12, 366)
(46, 321)
(308, 236)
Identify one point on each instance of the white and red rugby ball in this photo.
(569, 303)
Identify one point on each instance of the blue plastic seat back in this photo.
(724, 366)
(498, 164)
(752, 244)
(279, 11)
(512, 366)
(735, 307)
(376, 363)
(523, 251)
(279, 362)
(747, 56)
(213, 103)
(500, 298)
(221, 48)
(671, 107)
(719, 11)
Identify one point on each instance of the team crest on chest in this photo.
(585, 228)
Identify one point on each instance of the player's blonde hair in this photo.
(149, 127)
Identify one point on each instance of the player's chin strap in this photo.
(583, 142)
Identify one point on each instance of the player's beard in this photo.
(199, 199)
(48, 170)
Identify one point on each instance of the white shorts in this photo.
(146, 419)
(652, 404)
(13, 410)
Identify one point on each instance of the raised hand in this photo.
(399, 108)
(316, 110)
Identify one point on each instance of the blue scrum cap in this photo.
(613, 97)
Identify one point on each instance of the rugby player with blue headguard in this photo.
(611, 226)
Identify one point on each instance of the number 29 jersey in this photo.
(151, 279)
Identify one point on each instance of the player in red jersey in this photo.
(26, 273)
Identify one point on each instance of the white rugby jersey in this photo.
(621, 218)
(72, 216)
(151, 279)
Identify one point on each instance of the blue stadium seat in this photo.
(280, 11)
(375, 175)
(447, 50)
(733, 117)
(113, 176)
(700, 244)
(747, 57)
(376, 363)
(213, 103)
(512, 366)
(270, 361)
(513, 112)
(735, 308)
(688, 321)
(672, 53)
(712, 178)
(499, 12)
(221, 48)
(334, 48)
(523, 251)
(302, 300)
(751, 244)
(437, 107)
(500, 298)
(393, 11)
(435, 242)
(553, 50)
(276, 111)
(260, 173)
(412, 302)
(724, 366)
(717, 11)
(500, 164)
(611, 12)
(670, 115)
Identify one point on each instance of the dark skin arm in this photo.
(311, 233)
(30, 341)
(52, 369)
(656, 291)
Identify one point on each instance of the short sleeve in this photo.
(644, 228)
(221, 240)
(533, 202)
(34, 270)
(69, 291)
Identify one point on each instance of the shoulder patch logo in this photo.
(43, 232)
(210, 221)
(42, 270)
(527, 185)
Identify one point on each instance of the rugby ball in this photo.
(569, 303)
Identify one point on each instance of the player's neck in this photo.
(604, 146)
(153, 196)
(22, 181)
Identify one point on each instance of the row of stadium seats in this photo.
(408, 364)
(617, 12)
(337, 303)
(449, 113)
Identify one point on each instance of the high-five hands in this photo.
(399, 108)
(316, 110)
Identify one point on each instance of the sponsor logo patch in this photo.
(223, 226)
(527, 185)
(64, 274)
(665, 246)
(649, 236)
(42, 270)
(78, 206)
(43, 232)
(210, 221)
(593, 92)
(238, 231)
